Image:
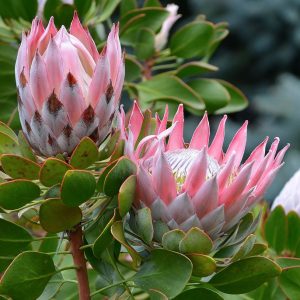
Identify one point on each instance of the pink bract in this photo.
(197, 184)
(67, 90)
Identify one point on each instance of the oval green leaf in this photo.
(16, 193)
(126, 195)
(19, 167)
(276, 229)
(203, 265)
(245, 275)
(118, 233)
(21, 284)
(196, 241)
(172, 239)
(77, 187)
(85, 154)
(165, 271)
(56, 217)
(53, 171)
(144, 224)
(13, 240)
(117, 175)
(8, 145)
(192, 39)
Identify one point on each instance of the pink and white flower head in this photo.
(161, 38)
(197, 184)
(67, 90)
(289, 197)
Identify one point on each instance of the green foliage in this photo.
(85, 154)
(164, 271)
(16, 193)
(253, 271)
(13, 240)
(57, 217)
(77, 187)
(18, 283)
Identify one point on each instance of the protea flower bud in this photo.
(197, 184)
(162, 37)
(289, 197)
(67, 90)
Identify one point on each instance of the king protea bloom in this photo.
(67, 90)
(289, 197)
(197, 184)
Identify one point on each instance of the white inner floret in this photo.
(181, 160)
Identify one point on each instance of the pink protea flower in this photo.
(67, 90)
(197, 184)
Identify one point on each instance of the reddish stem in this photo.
(148, 68)
(75, 238)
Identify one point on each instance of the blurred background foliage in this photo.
(260, 56)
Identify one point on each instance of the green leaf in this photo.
(289, 282)
(194, 68)
(16, 193)
(27, 276)
(144, 46)
(213, 93)
(107, 148)
(238, 101)
(105, 238)
(8, 131)
(107, 7)
(100, 182)
(18, 167)
(57, 217)
(257, 249)
(160, 228)
(19, 9)
(126, 6)
(85, 154)
(25, 148)
(8, 145)
(203, 265)
(171, 88)
(199, 293)
(13, 240)
(245, 247)
(192, 39)
(133, 69)
(276, 229)
(293, 236)
(53, 171)
(118, 233)
(165, 271)
(82, 6)
(62, 13)
(77, 187)
(152, 3)
(117, 175)
(288, 262)
(245, 275)
(126, 195)
(147, 17)
(172, 239)
(144, 224)
(49, 244)
(196, 241)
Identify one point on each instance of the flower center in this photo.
(181, 160)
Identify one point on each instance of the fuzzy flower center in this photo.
(181, 160)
